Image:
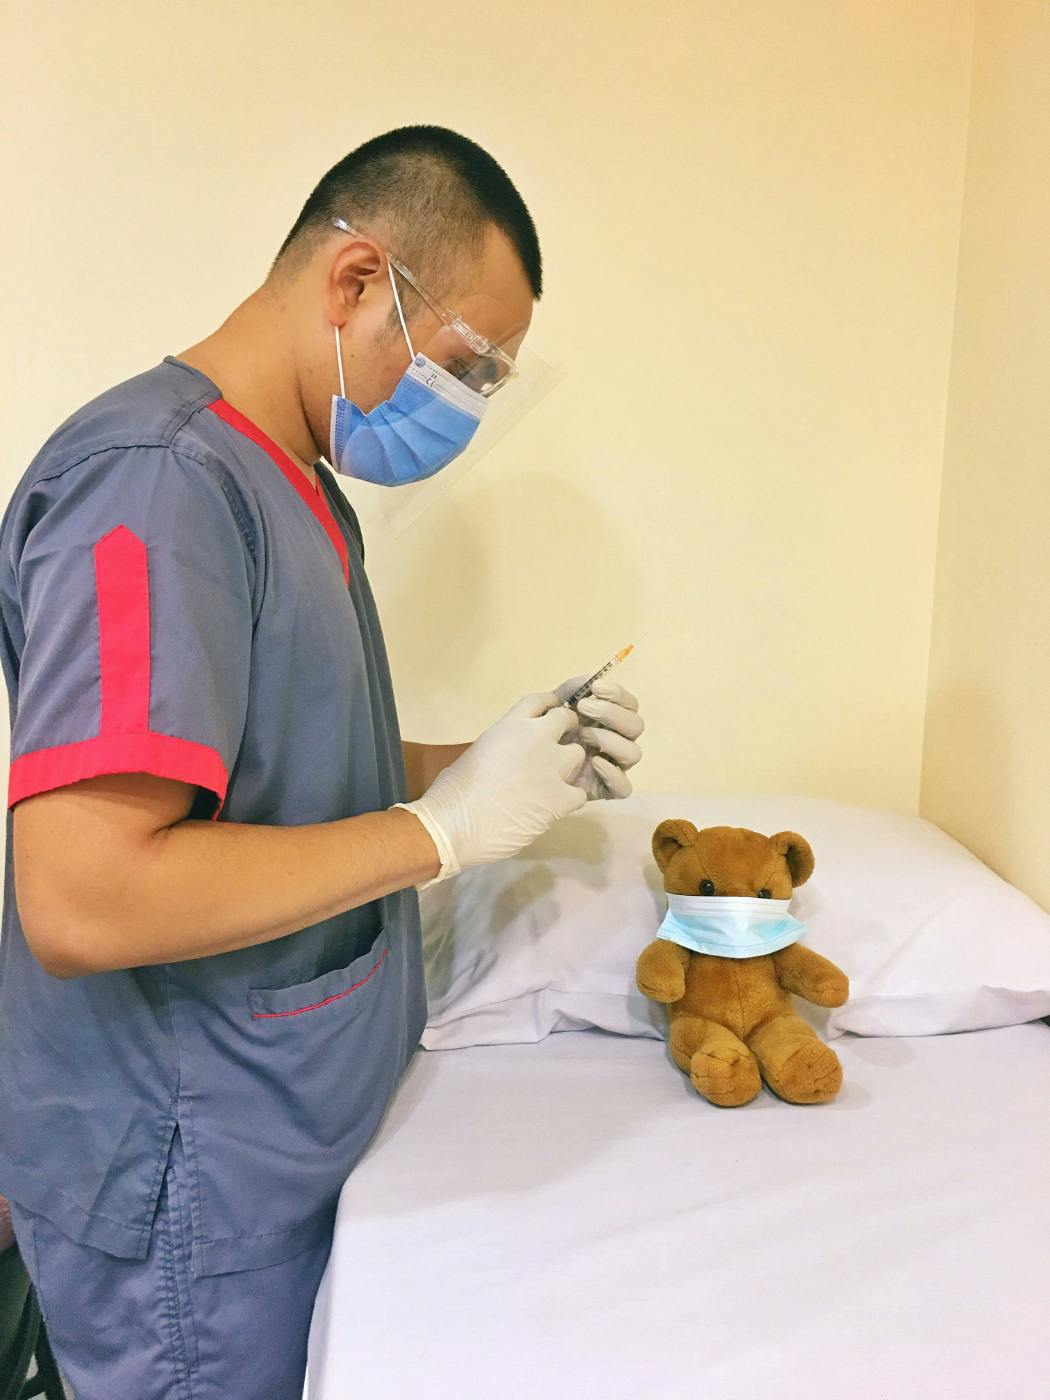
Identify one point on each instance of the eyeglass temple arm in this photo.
(450, 318)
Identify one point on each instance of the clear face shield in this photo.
(480, 365)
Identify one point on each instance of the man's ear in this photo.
(669, 837)
(356, 265)
(798, 854)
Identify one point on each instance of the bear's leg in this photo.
(721, 1067)
(795, 1062)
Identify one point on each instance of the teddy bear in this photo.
(726, 973)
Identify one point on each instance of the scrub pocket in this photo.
(272, 1004)
(291, 1090)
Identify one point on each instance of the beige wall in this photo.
(750, 215)
(987, 758)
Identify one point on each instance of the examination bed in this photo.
(550, 1210)
(568, 1218)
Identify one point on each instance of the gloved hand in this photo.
(610, 725)
(514, 782)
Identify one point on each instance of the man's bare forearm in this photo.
(196, 888)
(256, 883)
(423, 762)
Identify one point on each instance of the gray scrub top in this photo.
(177, 599)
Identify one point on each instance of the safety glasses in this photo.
(466, 354)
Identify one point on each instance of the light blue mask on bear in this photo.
(729, 927)
(427, 421)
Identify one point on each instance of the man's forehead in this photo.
(499, 323)
(494, 296)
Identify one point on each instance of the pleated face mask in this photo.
(729, 927)
(427, 421)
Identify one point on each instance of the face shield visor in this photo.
(482, 365)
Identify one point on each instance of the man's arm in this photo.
(423, 762)
(109, 873)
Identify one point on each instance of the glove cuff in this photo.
(449, 864)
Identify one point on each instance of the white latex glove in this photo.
(514, 782)
(610, 725)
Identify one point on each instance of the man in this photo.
(211, 977)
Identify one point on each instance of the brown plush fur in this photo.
(731, 1020)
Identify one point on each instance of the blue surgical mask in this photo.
(427, 421)
(729, 927)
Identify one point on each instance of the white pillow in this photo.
(931, 939)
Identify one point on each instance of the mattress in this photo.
(570, 1219)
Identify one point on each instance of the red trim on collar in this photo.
(313, 497)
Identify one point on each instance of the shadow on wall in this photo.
(969, 770)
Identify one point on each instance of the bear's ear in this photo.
(797, 852)
(669, 837)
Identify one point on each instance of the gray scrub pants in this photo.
(128, 1329)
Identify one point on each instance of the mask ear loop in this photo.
(404, 328)
(400, 313)
(339, 362)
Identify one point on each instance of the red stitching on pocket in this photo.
(270, 1015)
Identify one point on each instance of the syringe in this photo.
(585, 689)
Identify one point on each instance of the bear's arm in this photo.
(660, 973)
(810, 976)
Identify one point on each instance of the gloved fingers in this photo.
(561, 721)
(609, 715)
(616, 781)
(567, 687)
(623, 752)
(576, 797)
(603, 689)
(574, 756)
(536, 705)
(606, 689)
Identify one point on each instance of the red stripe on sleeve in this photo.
(165, 757)
(122, 585)
(125, 743)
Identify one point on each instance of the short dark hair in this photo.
(433, 190)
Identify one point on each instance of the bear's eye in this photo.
(764, 893)
(707, 887)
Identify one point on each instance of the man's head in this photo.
(445, 209)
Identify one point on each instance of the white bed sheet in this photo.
(570, 1219)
